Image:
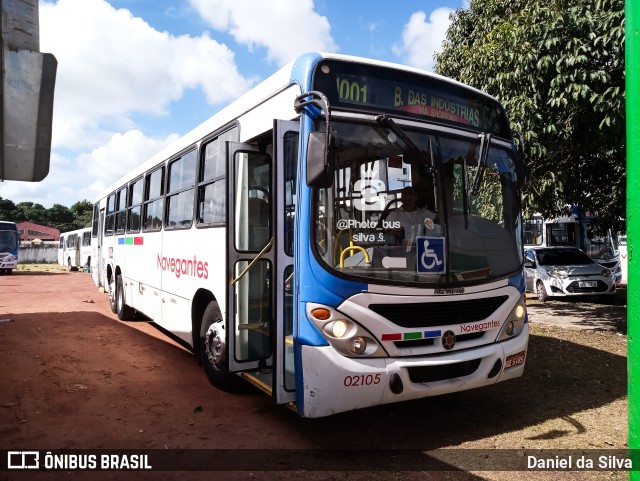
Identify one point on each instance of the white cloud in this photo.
(286, 28)
(119, 156)
(84, 176)
(112, 65)
(422, 38)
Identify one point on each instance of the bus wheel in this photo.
(541, 292)
(124, 312)
(113, 303)
(213, 348)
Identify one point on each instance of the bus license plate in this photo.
(514, 359)
(587, 284)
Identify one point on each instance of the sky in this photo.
(135, 75)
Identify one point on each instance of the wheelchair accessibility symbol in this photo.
(430, 255)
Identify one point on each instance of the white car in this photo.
(566, 272)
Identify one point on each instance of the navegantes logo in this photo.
(184, 267)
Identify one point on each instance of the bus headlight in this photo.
(514, 322)
(345, 335)
(339, 328)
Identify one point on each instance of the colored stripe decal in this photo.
(410, 336)
(392, 337)
(131, 241)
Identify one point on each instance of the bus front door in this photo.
(255, 268)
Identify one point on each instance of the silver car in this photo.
(566, 272)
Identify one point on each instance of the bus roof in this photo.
(298, 72)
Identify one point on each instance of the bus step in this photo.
(260, 380)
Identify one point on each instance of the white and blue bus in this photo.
(263, 241)
(9, 245)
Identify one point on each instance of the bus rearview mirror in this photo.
(320, 160)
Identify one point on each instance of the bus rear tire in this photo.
(113, 301)
(213, 349)
(124, 312)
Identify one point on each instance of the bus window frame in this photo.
(148, 200)
(169, 194)
(131, 206)
(110, 215)
(121, 210)
(233, 131)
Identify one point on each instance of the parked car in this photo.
(566, 272)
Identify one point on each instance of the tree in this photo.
(61, 217)
(83, 213)
(7, 210)
(31, 212)
(558, 68)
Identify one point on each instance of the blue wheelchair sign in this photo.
(430, 255)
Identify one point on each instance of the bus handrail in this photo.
(252, 263)
(354, 248)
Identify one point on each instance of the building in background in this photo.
(30, 232)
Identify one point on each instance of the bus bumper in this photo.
(334, 383)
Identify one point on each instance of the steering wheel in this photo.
(386, 211)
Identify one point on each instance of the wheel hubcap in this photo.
(215, 347)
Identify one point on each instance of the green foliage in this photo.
(558, 68)
(58, 216)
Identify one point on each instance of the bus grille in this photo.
(443, 372)
(430, 314)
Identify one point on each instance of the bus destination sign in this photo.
(355, 87)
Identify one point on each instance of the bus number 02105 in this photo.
(351, 91)
(362, 380)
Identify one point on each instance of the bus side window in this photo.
(212, 193)
(110, 220)
(134, 205)
(182, 174)
(121, 199)
(153, 200)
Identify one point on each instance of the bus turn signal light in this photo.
(321, 314)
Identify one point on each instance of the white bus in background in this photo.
(75, 249)
(573, 230)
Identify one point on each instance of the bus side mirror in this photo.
(320, 160)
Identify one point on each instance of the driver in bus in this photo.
(411, 219)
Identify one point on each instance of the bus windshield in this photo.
(447, 216)
(8, 240)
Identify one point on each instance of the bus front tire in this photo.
(123, 310)
(213, 349)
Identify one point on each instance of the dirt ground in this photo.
(74, 377)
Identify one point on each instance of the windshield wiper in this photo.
(485, 142)
(413, 150)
